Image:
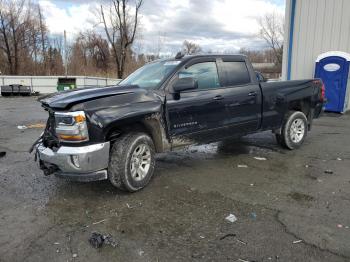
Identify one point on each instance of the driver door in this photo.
(193, 113)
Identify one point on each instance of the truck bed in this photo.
(280, 96)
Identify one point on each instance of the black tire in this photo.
(119, 169)
(287, 138)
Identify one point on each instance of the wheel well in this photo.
(303, 106)
(149, 126)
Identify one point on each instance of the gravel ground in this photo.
(287, 207)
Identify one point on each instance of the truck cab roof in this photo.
(238, 57)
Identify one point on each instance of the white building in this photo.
(312, 28)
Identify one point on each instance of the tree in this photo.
(121, 25)
(11, 30)
(54, 61)
(90, 54)
(23, 37)
(190, 48)
(272, 31)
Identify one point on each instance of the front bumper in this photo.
(86, 163)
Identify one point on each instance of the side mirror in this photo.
(183, 84)
(260, 77)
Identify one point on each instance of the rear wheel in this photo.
(132, 161)
(294, 130)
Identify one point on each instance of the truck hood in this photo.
(65, 99)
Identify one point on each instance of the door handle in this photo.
(218, 97)
(252, 94)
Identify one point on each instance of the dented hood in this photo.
(65, 99)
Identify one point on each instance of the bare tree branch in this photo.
(121, 30)
(272, 31)
(190, 48)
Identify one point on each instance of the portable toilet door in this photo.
(333, 68)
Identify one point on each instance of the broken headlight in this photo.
(71, 127)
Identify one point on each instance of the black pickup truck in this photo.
(114, 132)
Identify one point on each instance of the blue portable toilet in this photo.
(333, 68)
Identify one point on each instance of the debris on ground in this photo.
(340, 226)
(227, 235)
(328, 171)
(110, 241)
(2, 154)
(97, 240)
(253, 215)
(232, 218)
(297, 241)
(98, 222)
(56, 243)
(37, 125)
(240, 241)
(141, 252)
(260, 158)
(242, 166)
(75, 255)
(251, 184)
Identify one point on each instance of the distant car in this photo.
(114, 132)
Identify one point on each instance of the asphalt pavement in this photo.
(289, 205)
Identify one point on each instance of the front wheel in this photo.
(294, 130)
(132, 161)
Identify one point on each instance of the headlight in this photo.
(71, 127)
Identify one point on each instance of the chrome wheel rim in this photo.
(140, 162)
(297, 130)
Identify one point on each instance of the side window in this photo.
(205, 73)
(236, 73)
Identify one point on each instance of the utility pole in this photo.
(65, 53)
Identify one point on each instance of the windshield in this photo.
(150, 75)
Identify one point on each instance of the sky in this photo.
(216, 25)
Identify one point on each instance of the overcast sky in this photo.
(216, 25)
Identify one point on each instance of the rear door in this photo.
(243, 96)
(193, 113)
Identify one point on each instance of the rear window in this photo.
(236, 73)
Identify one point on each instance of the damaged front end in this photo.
(47, 139)
(59, 151)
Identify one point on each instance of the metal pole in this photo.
(65, 53)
